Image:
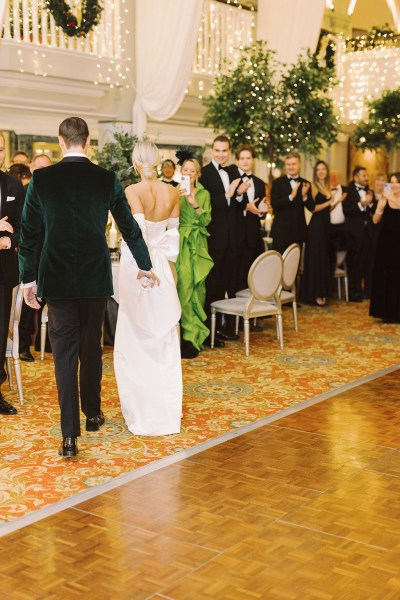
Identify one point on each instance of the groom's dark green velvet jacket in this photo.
(71, 200)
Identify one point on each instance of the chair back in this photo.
(13, 327)
(265, 275)
(291, 260)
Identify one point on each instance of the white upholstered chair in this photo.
(291, 260)
(341, 274)
(265, 280)
(43, 330)
(12, 348)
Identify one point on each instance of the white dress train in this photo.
(147, 358)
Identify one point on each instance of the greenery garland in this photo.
(62, 13)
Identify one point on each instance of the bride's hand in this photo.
(148, 279)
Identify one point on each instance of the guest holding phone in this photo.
(194, 262)
(385, 296)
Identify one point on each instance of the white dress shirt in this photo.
(336, 214)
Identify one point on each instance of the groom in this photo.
(71, 201)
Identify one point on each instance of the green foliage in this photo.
(117, 156)
(274, 108)
(382, 127)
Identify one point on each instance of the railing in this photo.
(224, 31)
(29, 21)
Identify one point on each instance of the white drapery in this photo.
(3, 4)
(394, 6)
(165, 37)
(290, 26)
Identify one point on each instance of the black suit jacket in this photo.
(248, 225)
(222, 228)
(12, 200)
(357, 221)
(71, 200)
(289, 225)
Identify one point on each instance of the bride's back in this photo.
(156, 199)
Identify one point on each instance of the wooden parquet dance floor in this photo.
(305, 508)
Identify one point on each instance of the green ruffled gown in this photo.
(193, 265)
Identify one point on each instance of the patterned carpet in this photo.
(223, 390)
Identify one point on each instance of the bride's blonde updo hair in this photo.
(145, 158)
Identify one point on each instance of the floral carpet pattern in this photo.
(223, 390)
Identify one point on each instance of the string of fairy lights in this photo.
(366, 65)
(30, 24)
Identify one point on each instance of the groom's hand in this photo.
(30, 297)
(149, 278)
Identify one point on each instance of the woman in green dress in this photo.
(193, 263)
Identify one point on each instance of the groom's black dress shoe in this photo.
(69, 447)
(6, 408)
(95, 423)
(27, 356)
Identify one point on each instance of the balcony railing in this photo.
(224, 31)
(29, 21)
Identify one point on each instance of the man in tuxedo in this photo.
(27, 320)
(222, 187)
(168, 172)
(248, 236)
(290, 193)
(11, 201)
(71, 200)
(358, 208)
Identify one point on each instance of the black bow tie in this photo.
(221, 168)
(358, 188)
(294, 178)
(248, 176)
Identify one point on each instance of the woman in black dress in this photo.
(385, 296)
(316, 275)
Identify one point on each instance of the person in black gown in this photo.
(385, 296)
(316, 274)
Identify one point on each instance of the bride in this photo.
(147, 359)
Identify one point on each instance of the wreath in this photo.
(63, 17)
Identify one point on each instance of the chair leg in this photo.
(246, 329)
(280, 329)
(213, 323)
(346, 288)
(17, 369)
(339, 289)
(237, 324)
(9, 372)
(43, 331)
(277, 329)
(294, 308)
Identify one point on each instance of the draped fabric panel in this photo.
(394, 6)
(165, 37)
(290, 26)
(3, 4)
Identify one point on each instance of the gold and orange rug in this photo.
(223, 390)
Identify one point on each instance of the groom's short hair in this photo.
(74, 131)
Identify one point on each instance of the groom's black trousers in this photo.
(75, 330)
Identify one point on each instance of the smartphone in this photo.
(185, 184)
(386, 187)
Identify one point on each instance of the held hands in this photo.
(148, 280)
(5, 226)
(31, 298)
(252, 208)
(232, 188)
(243, 187)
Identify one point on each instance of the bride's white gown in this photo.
(147, 359)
